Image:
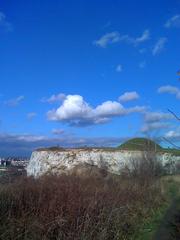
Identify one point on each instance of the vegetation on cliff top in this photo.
(134, 144)
(140, 144)
(145, 144)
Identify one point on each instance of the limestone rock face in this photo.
(114, 161)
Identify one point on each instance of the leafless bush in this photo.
(73, 208)
(145, 168)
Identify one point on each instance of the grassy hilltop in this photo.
(140, 144)
(145, 144)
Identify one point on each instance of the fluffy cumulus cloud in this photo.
(129, 96)
(170, 90)
(54, 98)
(77, 112)
(159, 46)
(115, 37)
(4, 23)
(14, 102)
(173, 22)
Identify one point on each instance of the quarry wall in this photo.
(57, 162)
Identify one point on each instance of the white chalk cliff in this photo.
(57, 162)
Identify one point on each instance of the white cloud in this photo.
(56, 131)
(119, 68)
(145, 36)
(128, 96)
(156, 116)
(54, 98)
(109, 109)
(154, 126)
(76, 111)
(136, 109)
(173, 22)
(30, 138)
(115, 37)
(23, 145)
(31, 115)
(170, 90)
(173, 135)
(73, 106)
(14, 102)
(155, 121)
(4, 23)
(159, 46)
(107, 39)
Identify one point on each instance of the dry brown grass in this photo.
(75, 208)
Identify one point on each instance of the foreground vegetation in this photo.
(93, 206)
(70, 207)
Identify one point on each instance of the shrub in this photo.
(73, 208)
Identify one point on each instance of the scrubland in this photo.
(93, 206)
(71, 207)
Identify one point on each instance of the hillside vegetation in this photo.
(141, 144)
(145, 144)
(73, 208)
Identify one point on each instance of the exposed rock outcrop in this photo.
(113, 160)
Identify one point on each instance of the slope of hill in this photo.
(140, 144)
(145, 144)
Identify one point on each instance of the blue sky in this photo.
(87, 72)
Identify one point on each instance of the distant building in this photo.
(14, 161)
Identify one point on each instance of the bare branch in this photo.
(178, 118)
(169, 141)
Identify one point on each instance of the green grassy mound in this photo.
(140, 144)
(145, 144)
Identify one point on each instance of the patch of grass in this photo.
(170, 184)
(152, 223)
(53, 149)
(170, 187)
